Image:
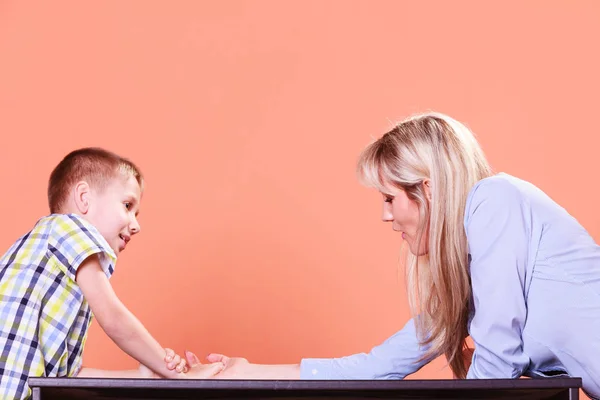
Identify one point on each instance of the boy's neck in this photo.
(69, 210)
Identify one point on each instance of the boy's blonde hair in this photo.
(94, 165)
(436, 147)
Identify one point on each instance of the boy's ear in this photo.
(82, 196)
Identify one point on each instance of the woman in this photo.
(492, 257)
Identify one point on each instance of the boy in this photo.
(55, 277)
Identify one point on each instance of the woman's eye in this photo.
(127, 205)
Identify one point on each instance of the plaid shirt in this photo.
(44, 317)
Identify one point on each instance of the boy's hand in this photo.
(195, 369)
(174, 361)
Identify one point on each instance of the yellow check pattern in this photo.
(44, 317)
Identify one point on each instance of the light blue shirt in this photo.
(535, 274)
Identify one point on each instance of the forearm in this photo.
(132, 337)
(397, 357)
(117, 321)
(103, 373)
(264, 371)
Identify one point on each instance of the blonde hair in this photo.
(434, 147)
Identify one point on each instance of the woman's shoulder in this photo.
(501, 187)
(506, 192)
(501, 192)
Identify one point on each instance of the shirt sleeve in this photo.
(73, 240)
(395, 358)
(498, 227)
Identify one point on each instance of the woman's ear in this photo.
(427, 188)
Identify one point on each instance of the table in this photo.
(117, 389)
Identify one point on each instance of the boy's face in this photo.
(113, 211)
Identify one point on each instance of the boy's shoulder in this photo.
(66, 238)
(73, 233)
(62, 227)
(58, 230)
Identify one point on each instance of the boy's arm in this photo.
(104, 373)
(119, 323)
(142, 372)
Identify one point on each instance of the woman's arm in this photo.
(398, 356)
(499, 232)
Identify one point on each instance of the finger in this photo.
(169, 353)
(210, 370)
(192, 359)
(182, 366)
(214, 357)
(176, 361)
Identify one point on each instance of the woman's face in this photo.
(403, 213)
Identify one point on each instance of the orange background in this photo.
(247, 118)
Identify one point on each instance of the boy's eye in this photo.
(389, 199)
(127, 205)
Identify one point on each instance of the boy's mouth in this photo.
(125, 239)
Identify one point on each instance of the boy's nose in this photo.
(134, 227)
